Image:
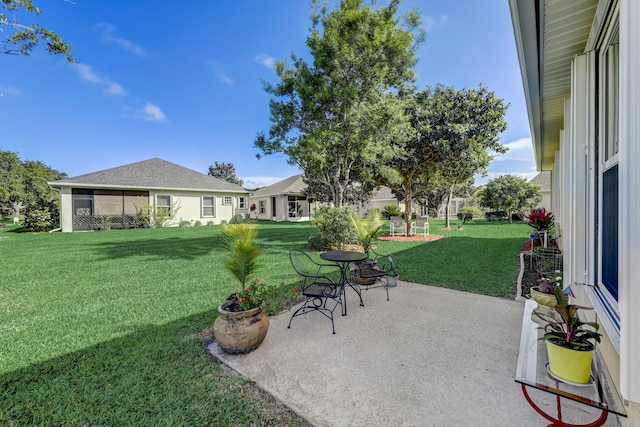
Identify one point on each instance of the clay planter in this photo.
(240, 331)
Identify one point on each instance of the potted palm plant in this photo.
(368, 229)
(570, 341)
(241, 325)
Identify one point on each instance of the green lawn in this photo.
(106, 328)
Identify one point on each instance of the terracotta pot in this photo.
(568, 364)
(240, 331)
(544, 300)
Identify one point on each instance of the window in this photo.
(609, 91)
(242, 202)
(208, 206)
(226, 200)
(163, 204)
(262, 207)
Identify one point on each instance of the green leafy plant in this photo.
(564, 327)
(391, 210)
(368, 228)
(540, 220)
(334, 225)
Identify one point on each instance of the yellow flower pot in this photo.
(568, 364)
(545, 300)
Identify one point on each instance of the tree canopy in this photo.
(451, 135)
(334, 117)
(23, 38)
(511, 194)
(24, 183)
(226, 172)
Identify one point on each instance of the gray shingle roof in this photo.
(292, 185)
(543, 179)
(150, 174)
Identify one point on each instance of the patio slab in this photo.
(428, 357)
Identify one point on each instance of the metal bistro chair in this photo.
(377, 271)
(322, 291)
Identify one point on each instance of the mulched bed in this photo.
(412, 238)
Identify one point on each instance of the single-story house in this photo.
(283, 201)
(543, 179)
(580, 65)
(114, 198)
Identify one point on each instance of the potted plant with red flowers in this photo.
(241, 325)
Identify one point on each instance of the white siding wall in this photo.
(629, 201)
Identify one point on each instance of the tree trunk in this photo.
(407, 212)
(447, 208)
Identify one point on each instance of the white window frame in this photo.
(262, 208)
(242, 202)
(203, 206)
(162, 197)
(603, 301)
(227, 200)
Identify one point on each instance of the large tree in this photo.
(23, 184)
(334, 117)
(226, 172)
(450, 136)
(23, 38)
(511, 194)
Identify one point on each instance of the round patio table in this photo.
(343, 259)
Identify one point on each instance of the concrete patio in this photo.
(428, 357)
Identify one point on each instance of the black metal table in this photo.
(343, 259)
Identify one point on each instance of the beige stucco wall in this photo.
(188, 207)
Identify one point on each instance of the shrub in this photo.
(496, 216)
(319, 243)
(38, 219)
(334, 224)
(391, 210)
(468, 213)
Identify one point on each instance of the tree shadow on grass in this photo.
(155, 376)
(158, 249)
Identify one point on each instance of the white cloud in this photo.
(482, 180)
(430, 22)
(88, 74)
(520, 149)
(260, 181)
(153, 113)
(265, 60)
(8, 91)
(224, 78)
(109, 38)
(218, 73)
(148, 113)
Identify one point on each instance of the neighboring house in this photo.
(113, 198)
(580, 63)
(383, 197)
(543, 179)
(282, 201)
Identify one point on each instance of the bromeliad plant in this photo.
(564, 328)
(540, 220)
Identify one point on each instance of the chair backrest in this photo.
(303, 264)
(306, 267)
(421, 221)
(396, 221)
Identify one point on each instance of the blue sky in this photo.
(183, 81)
